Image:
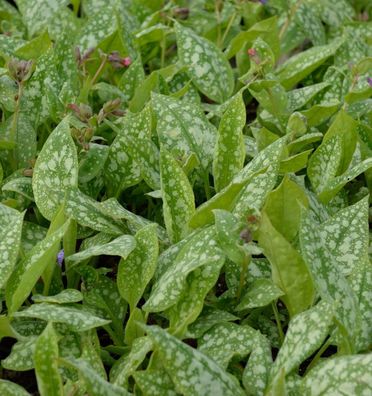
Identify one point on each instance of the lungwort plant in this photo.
(184, 197)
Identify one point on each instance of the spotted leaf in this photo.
(21, 356)
(65, 297)
(155, 383)
(8, 388)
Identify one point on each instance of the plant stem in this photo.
(13, 130)
(231, 20)
(318, 355)
(278, 323)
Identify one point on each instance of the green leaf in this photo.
(326, 379)
(121, 246)
(34, 48)
(226, 340)
(192, 372)
(29, 270)
(49, 380)
(301, 65)
(20, 185)
(260, 294)
(64, 297)
(10, 240)
(230, 150)
(21, 356)
(206, 64)
(283, 207)
(154, 383)
(137, 269)
(289, 270)
(8, 388)
(305, 334)
(199, 251)
(76, 318)
(178, 197)
(183, 129)
(56, 170)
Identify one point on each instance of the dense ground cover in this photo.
(184, 197)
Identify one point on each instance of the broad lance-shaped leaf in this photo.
(328, 279)
(256, 371)
(289, 270)
(20, 185)
(345, 236)
(260, 294)
(341, 375)
(46, 353)
(301, 65)
(305, 334)
(29, 270)
(21, 356)
(183, 129)
(230, 149)
(121, 246)
(128, 364)
(76, 318)
(10, 240)
(324, 163)
(200, 250)
(56, 170)
(361, 283)
(66, 296)
(95, 384)
(192, 372)
(206, 65)
(178, 197)
(137, 269)
(154, 383)
(189, 306)
(8, 388)
(225, 340)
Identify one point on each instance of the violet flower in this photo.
(60, 257)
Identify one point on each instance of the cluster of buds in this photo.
(82, 58)
(83, 112)
(253, 55)
(181, 13)
(110, 108)
(117, 61)
(20, 70)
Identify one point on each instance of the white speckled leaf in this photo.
(64, 297)
(92, 161)
(189, 306)
(10, 240)
(21, 356)
(305, 334)
(256, 371)
(46, 353)
(192, 372)
(29, 270)
(261, 293)
(76, 319)
(178, 197)
(200, 250)
(20, 185)
(343, 375)
(323, 164)
(8, 388)
(183, 128)
(32, 234)
(207, 65)
(226, 340)
(88, 212)
(121, 246)
(128, 364)
(297, 98)
(230, 149)
(345, 235)
(289, 271)
(56, 170)
(155, 383)
(328, 279)
(136, 270)
(95, 384)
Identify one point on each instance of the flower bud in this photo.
(20, 70)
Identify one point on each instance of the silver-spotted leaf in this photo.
(64, 297)
(8, 388)
(155, 383)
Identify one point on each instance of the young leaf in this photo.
(65, 297)
(56, 170)
(289, 270)
(192, 372)
(49, 380)
(206, 65)
(8, 388)
(21, 357)
(178, 197)
(137, 269)
(230, 150)
(76, 319)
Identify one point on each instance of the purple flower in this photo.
(60, 257)
(263, 1)
(369, 81)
